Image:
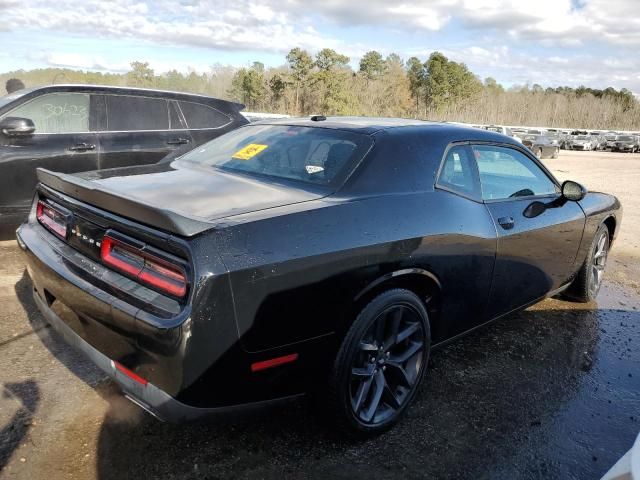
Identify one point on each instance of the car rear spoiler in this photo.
(100, 197)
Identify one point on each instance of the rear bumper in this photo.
(147, 396)
(120, 339)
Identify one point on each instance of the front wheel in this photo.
(539, 152)
(587, 283)
(381, 363)
(556, 152)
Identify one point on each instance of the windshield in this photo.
(611, 137)
(625, 138)
(314, 155)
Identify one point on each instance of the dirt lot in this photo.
(552, 392)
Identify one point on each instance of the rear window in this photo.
(203, 116)
(313, 155)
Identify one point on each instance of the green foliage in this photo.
(328, 59)
(330, 79)
(249, 85)
(141, 75)
(448, 82)
(300, 65)
(416, 74)
(372, 65)
(492, 86)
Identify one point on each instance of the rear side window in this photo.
(458, 172)
(203, 116)
(508, 173)
(56, 112)
(314, 155)
(129, 113)
(175, 117)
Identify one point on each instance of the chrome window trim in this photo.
(129, 131)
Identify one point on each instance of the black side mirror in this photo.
(15, 127)
(573, 191)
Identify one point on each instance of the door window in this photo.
(508, 173)
(458, 172)
(130, 113)
(56, 112)
(202, 116)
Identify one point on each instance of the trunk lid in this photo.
(178, 198)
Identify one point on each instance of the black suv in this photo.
(74, 128)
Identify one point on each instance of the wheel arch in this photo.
(423, 283)
(611, 224)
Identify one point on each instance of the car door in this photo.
(64, 140)
(137, 130)
(463, 254)
(537, 246)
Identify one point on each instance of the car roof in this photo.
(371, 125)
(71, 87)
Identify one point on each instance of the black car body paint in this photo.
(280, 267)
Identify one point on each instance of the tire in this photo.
(586, 285)
(556, 153)
(371, 386)
(538, 153)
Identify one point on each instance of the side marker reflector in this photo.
(273, 362)
(130, 374)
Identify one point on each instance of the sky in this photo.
(549, 42)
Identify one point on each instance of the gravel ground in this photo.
(551, 392)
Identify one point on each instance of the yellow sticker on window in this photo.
(249, 151)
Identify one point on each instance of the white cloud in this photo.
(275, 25)
(502, 29)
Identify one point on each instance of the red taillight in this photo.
(273, 362)
(145, 268)
(52, 219)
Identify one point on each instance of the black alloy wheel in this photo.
(586, 285)
(381, 362)
(598, 262)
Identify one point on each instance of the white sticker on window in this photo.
(311, 169)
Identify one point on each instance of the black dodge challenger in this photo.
(324, 255)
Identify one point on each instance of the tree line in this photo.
(436, 88)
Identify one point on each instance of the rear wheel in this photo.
(381, 363)
(587, 283)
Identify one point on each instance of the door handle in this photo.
(82, 147)
(178, 141)
(506, 222)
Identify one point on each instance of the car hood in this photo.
(193, 191)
